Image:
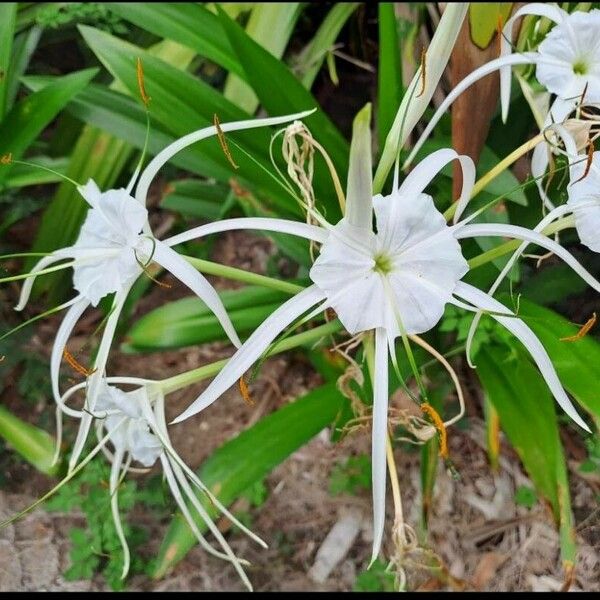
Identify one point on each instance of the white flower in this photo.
(114, 246)
(584, 199)
(134, 424)
(396, 280)
(567, 63)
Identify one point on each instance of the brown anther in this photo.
(439, 425)
(423, 71)
(223, 142)
(75, 365)
(245, 392)
(6, 159)
(140, 79)
(582, 332)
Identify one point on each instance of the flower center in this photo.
(580, 67)
(383, 264)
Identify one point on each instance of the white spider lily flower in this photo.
(583, 203)
(567, 63)
(395, 280)
(134, 424)
(112, 250)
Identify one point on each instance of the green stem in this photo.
(511, 246)
(213, 268)
(189, 377)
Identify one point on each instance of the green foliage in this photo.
(99, 14)
(525, 496)
(96, 548)
(375, 579)
(351, 476)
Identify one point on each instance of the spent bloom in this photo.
(114, 247)
(394, 280)
(131, 428)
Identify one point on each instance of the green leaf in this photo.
(526, 408)
(247, 458)
(189, 24)
(273, 39)
(310, 60)
(28, 118)
(196, 198)
(183, 103)
(8, 15)
(484, 18)
(32, 443)
(189, 322)
(24, 175)
(24, 46)
(280, 93)
(575, 362)
(389, 83)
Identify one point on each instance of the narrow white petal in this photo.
(522, 332)
(379, 437)
(522, 233)
(165, 155)
(551, 216)
(414, 103)
(28, 284)
(554, 13)
(115, 472)
(539, 164)
(95, 381)
(422, 175)
(176, 492)
(359, 211)
(156, 421)
(303, 230)
(178, 266)
(60, 342)
(235, 561)
(469, 80)
(253, 348)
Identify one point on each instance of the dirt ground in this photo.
(485, 541)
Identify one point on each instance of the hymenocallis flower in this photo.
(567, 64)
(114, 247)
(394, 280)
(583, 205)
(131, 428)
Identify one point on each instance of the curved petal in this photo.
(173, 486)
(303, 230)
(522, 332)
(379, 437)
(359, 212)
(96, 379)
(549, 218)
(91, 193)
(178, 266)
(115, 471)
(60, 342)
(165, 155)
(28, 284)
(522, 233)
(422, 175)
(469, 80)
(539, 164)
(253, 348)
(554, 13)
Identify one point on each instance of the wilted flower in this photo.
(133, 424)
